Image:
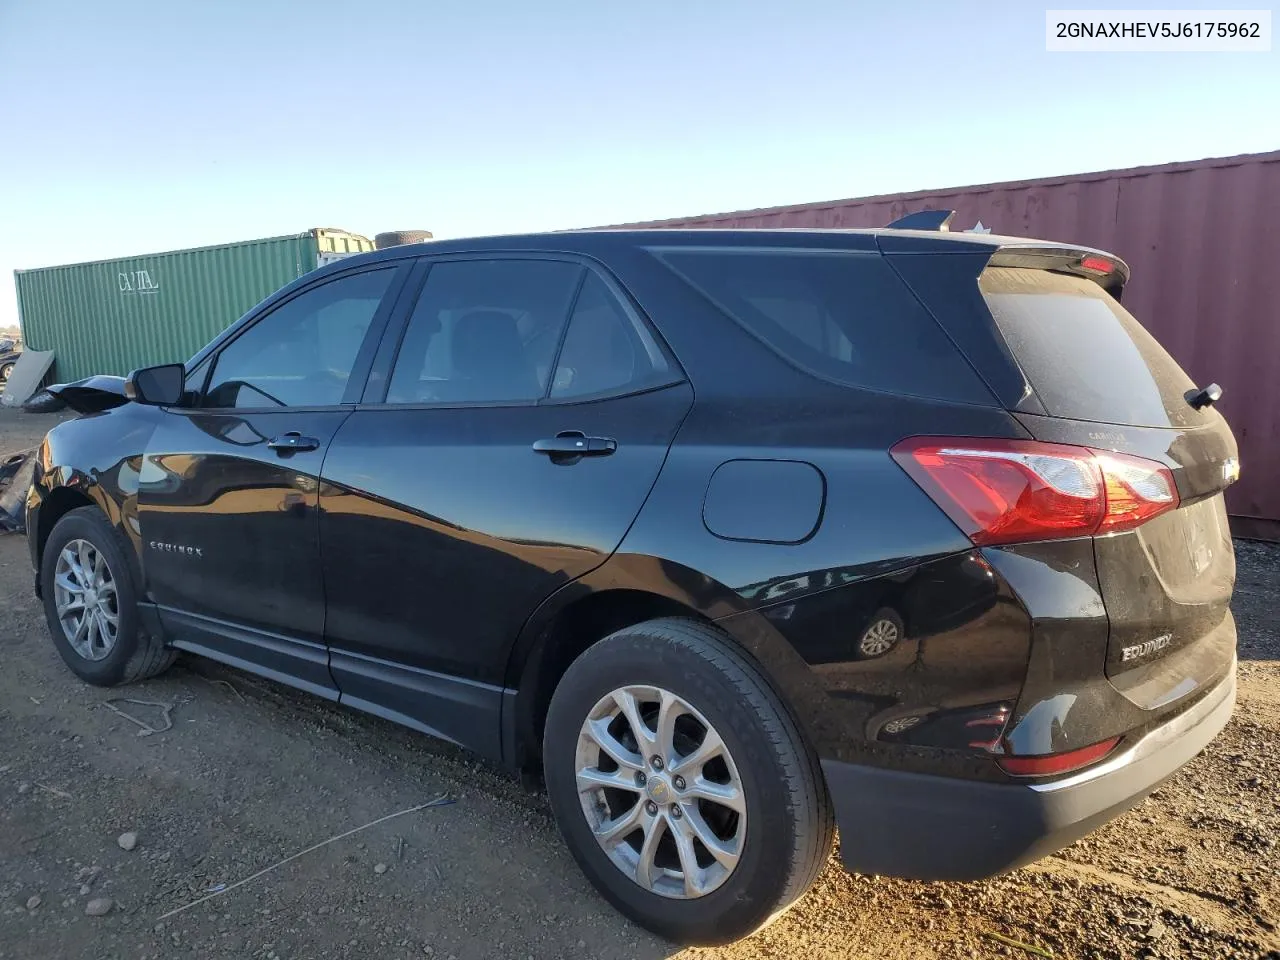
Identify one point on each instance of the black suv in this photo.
(734, 535)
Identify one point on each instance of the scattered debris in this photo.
(10, 464)
(34, 901)
(98, 907)
(379, 868)
(440, 801)
(400, 845)
(25, 376)
(55, 791)
(127, 841)
(224, 683)
(15, 477)
(166, 711)
(1010, 942)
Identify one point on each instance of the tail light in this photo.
(1011, 491)
(1053, 763)
(1097, 264)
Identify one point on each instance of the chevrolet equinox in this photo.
(734, 536)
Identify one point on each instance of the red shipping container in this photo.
(1203, 242)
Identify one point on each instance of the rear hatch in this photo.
(1104, 382)
(1073, 366)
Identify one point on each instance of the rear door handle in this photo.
(292, 442)
(574, 443)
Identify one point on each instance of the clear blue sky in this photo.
(133, 127)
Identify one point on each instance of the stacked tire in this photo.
(395, 238)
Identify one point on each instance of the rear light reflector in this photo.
(1012, 491)
(1098, 264)
(1054, 763)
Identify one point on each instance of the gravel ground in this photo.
(252, 773)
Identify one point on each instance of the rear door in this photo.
(229, 489)
(1105, 382)
(510, 434)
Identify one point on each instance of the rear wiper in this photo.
(1204, 397)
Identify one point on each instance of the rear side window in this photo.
(844, 316)
(1084, 354)
(605, 350)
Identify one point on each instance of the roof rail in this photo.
(924, 220)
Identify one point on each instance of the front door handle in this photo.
(292, 442)
(573, 444)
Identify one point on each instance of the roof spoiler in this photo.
(939, 220)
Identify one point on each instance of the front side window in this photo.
(301, 353)
(484, 331)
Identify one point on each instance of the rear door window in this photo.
(1084, 354)
(484, 331)
(843, 316)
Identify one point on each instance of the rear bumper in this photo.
(928, 827)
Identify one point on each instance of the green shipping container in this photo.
(113, 316)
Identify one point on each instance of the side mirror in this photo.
(159, 386)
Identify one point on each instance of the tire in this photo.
(134, 654)
(6, 368)
(787, 824)
(882, 634)
(394, 238)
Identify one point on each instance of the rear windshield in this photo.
(1085, 355)
(844, 316)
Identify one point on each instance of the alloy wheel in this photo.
(878, 638)
(661, 792)
(84, 591)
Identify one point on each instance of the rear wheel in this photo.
(682, 785)
(6, 368)
(882, 634)
(90, 601)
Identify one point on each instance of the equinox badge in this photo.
(1146, 648)
(176, 548)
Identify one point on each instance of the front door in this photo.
(505, 457)
(228, 494)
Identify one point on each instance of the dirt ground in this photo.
(252, 773)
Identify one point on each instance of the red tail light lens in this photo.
(1137, 490)
(1053, 763)
(1011, 491)
(1100, 264)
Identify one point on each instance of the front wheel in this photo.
(6, 369)
(91, 603)
(682, 785)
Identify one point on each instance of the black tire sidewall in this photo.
(757, 887)
(88, 523)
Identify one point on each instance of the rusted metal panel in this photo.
(1203, 242)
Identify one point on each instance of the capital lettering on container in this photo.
(136, 281)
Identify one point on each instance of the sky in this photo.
(133, 127)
